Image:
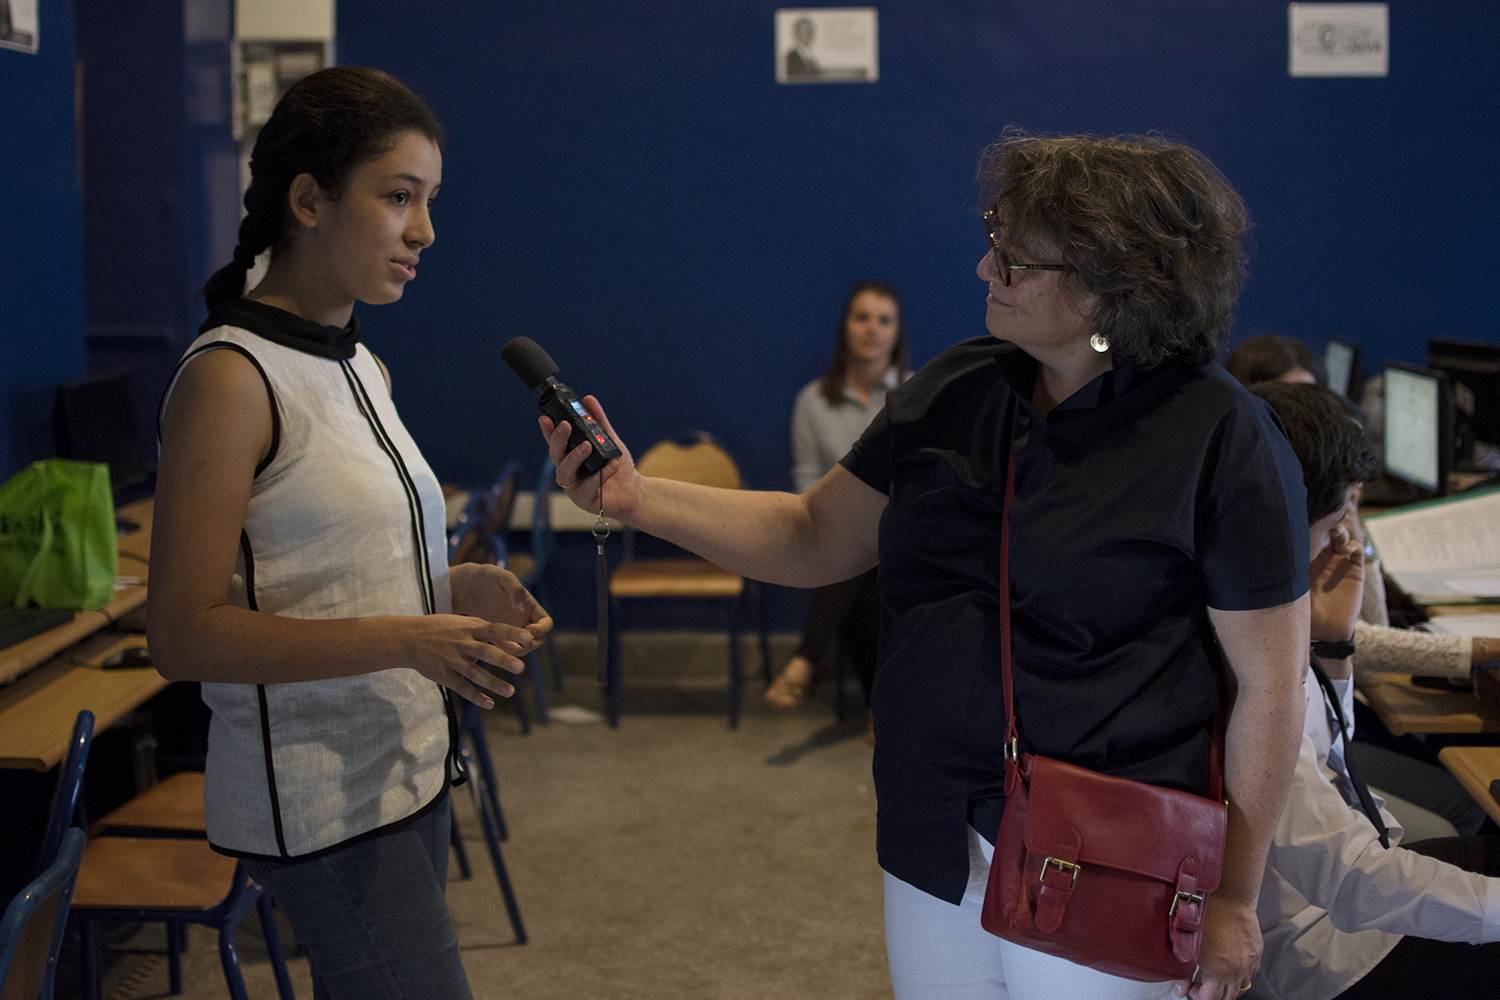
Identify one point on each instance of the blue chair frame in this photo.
(47, 896)
(474, 755)
(65, 800)
(746, 605)
(65, 804)
(224, 917)
(543, 544)
(479, 536)
(485, 518)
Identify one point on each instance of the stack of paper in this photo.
(1473, 626)
(1443, 552)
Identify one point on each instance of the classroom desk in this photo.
(1406, 708)
(1475, 768)
(566, 516)
(36, 720)
(135, 549)
(62, 672)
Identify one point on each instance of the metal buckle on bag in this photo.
(1009, 750)
(1061, 865)
(1191, 897)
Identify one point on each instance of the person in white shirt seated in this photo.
(1431, 801)
(1346, 910)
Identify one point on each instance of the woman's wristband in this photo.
(1333, 650)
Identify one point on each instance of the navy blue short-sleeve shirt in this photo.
(1142, 500)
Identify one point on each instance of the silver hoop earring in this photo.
(1099, 342)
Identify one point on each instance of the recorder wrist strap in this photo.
(601, 585)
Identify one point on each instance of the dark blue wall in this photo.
(160, 181)
(41, 256)
(634, 191)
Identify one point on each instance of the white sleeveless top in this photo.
(345, 521)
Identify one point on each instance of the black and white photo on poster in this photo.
(827, 45)
(18, 25)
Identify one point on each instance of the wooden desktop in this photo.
(59, 673)
(1406, 708)
(1475, 768)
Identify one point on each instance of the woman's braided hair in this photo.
(327, 124)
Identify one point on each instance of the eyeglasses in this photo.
(1001, 264)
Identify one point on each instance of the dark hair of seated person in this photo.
(1269, 356)
(1330, 444)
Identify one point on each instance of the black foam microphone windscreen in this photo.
(538, 371)
(531, 364)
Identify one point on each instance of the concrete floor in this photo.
(669, 858)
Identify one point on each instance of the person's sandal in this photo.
(786, 692)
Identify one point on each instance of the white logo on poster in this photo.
(1343, 39)
(1332, 39)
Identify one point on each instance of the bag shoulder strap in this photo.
(1005, 643)
(1221, 717)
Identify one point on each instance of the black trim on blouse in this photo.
(335, 343)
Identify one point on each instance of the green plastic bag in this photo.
(57, 536)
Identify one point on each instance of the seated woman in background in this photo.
(832, 411)
(1269, 357)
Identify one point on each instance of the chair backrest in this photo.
(689, 457)
(69, 787)
(542, 539)
(504, 492)
(480, 535)
(699, 459)
(31, 932)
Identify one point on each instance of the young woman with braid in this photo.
(297, 553)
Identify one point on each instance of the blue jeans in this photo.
(372, 915)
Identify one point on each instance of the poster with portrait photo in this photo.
(18, 25)
(827, 45)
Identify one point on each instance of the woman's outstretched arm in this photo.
(822, 536)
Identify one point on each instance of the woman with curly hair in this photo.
(1158, 524)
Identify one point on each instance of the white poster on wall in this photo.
(1338, 39)
(827, 45)
(18, 25)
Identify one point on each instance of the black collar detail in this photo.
(336, 343)
(1019, 370)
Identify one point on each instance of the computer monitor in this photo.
(94, 420)
(1418, 426)
(1475, 365)
(1346, 376)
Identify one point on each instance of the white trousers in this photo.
(938, 951)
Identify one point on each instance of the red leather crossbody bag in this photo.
(1105, 872)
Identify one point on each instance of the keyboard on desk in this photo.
(20, 624)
